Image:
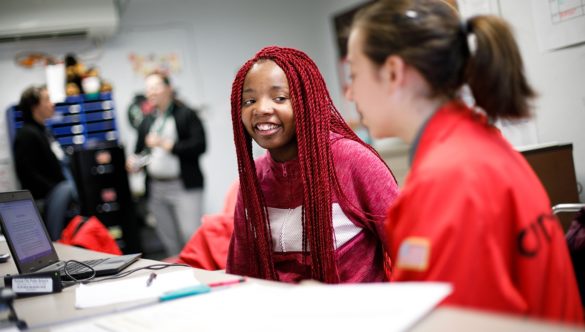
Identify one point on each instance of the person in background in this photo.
(471, 212)
(313, 206)
(40, 163)
(172, 138)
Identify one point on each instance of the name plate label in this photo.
(32, 285)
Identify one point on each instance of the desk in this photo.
(41, 311)
(49, 309)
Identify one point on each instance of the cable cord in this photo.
(92, 277)
(129, 272)
(71, 261)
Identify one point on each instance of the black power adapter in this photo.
(34, 283)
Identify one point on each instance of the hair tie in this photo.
(411, 14)
(470, 37)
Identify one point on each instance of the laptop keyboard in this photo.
(76, 267)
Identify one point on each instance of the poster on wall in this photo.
(144, 64)
(469, 8)
(559, 23)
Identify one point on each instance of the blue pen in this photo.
(187, 291)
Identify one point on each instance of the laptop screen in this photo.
(22, 224)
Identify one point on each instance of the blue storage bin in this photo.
(71, 140)
(68, 130)
(103, 136)
(77, 121)
(98, 105)
(66, 119)
(100, 126)
(68, 109)
(98, 116)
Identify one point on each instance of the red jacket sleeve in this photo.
(208, 247)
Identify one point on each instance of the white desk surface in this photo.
(40, 312)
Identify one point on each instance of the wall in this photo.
(214, 38)
(559, 77)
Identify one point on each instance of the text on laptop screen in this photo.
(25, 229)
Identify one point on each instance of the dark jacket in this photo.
(37, 167)
(190, 145)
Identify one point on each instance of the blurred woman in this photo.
(172, 139)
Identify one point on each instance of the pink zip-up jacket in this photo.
(359, 237)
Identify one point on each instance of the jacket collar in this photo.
(443, 122)
(283, 169)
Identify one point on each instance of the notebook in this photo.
(31, 246)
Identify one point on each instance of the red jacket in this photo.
(473, 213)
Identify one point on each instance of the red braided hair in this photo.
(315, 117)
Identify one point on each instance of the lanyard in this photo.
(161, 127)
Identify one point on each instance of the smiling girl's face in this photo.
(267, 111)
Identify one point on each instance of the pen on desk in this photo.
(227, 282)
(150, 279)
(188, 291)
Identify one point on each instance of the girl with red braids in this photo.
(313, 206)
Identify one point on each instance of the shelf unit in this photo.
(78, 122)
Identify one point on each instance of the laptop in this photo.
(31, 246)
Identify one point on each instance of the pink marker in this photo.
(227, 282)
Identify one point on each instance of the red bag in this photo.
(89, 233)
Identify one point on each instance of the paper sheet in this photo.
(133, 289)
(253, 307)
(559, 23)
(469, 8)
